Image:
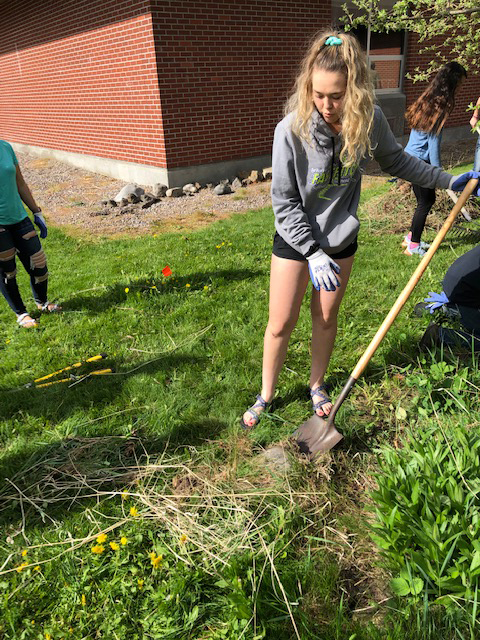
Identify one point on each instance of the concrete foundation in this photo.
(148, 175)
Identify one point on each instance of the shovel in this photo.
(317, 434)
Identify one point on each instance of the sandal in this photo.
(26, 321)
(324, 399)
(49, 307)
(256, 415)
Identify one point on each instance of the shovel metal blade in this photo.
(316, 435)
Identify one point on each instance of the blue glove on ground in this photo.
(436, 300)
(41, 224)
(462, 180)
(323, 271)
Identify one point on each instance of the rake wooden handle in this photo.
(402, 298)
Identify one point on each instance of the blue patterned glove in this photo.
(323, 271)
(462, 180)
(436, 300)
(41, 224)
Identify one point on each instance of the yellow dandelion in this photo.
(21, 567)
(140, 583)
(102, 538)
(33, 621)
(125, 495)
(188, 285)
(183, 539)
(114, 546)
(205, 288)
(48, 636)
(154, 286)
(70, 630)
(127, 289)
(123, 540)
(24, 552)
(98, 548)
(7, 341)
(155, 560)
(133, 512)
(219, 246)
(84, 600)
(37, 568)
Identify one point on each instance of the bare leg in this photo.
(288, 283)
(324, 309)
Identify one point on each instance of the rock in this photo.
(277, 458)
(222, 189)
(225, 181)
(112, 203)
(103, 212)
(237, 183)
(148, 203)
(134, 199)
(243, 175)
(267, 173)
(123, 202)
(190, 189)
(256, 176)
(104, 203)
(147, 196)
(126, 191)
(174, 192)
(159, 190)
(198, 185)
(127, 209)
(209, 185)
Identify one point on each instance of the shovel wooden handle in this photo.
(402, 298)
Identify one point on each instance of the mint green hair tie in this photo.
(333, 41)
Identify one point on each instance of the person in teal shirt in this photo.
(18, 237)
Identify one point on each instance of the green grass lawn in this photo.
(152, 453)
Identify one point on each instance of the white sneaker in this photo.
(416, 250)
(408, 238)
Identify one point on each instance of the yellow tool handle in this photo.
(100, 372)
(100, 356)
(49, 384)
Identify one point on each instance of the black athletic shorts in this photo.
(282, 249)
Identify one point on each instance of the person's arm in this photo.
(292, 221)
(25, 193)
(29, 200)
(475, 117)
(393, 160)
(434, 142)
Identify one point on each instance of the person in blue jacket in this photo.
(320, 149)
(19, 238)
(426, 117)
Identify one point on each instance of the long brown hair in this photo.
(357, 119)
(430, 110)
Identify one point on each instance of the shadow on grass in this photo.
(44, 483)
(59, 401)
(157, 285)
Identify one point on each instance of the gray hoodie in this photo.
(315, 199)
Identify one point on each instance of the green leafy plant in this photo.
(439, 387)
(427, 515)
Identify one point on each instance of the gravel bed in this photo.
(71, 197)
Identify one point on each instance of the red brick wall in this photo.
(80, 75)
(225, 70)
(468, 92)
